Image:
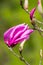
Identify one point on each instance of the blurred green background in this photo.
(12, 14)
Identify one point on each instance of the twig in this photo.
(38, 29)
(33, 22)
(38, 21)
(20, 57)
(13, 52)
(29, 12)
(21, 3)
(26, 11)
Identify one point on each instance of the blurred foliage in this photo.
(12, 14)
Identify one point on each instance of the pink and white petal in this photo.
(20, 32)
(18, 35)
(27, 32)
(21, 39)
(17, 29)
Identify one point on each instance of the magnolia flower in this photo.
(17, 34)
(26, 5)
(32, 13)
(40, 7)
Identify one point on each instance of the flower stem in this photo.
(13, 52)
(20, 57)
(23, 7)
(39, 21)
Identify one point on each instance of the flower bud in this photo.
(40, 7)
(17, 34)
(26, 5)
(32, 13)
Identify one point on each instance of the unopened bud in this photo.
(21, 46)
(26, 5)
(40, 7)
(32, 13)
